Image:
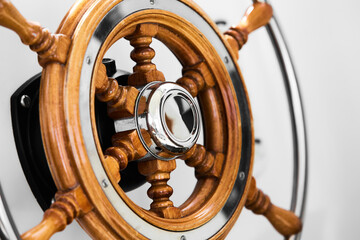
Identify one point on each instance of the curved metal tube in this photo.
(8, 229)
(297, 120)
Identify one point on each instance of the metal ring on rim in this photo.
(118, 13)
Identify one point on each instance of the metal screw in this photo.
(226, 59)
(25, 101)
(152, 2)
(183, 237)
(105, 183)
(242, 176)
(88, 60)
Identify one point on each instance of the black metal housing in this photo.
(27, 134)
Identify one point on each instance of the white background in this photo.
(323, 37)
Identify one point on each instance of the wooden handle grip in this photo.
(63, 211)
(11, 18)
(53, 221)
(256, 16)
(50, 47)
(284, 221)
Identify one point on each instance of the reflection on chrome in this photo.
(171, 118)
(179, 117)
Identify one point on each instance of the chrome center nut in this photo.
(171, 118)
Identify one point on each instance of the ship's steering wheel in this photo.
(156, 120)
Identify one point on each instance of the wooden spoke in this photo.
(126, 147)
(50, 47)
(256, 16)
(120, 99)
(284, 221)
(157, 173)
(196, 78)
(63, 211)
(206, 164)
(113, 165)
(144, 71)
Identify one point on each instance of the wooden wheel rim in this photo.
(213, 205)
(231, 209)
(66, 120)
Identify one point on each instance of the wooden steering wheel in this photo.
(156, 121)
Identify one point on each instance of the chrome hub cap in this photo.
(169, 115)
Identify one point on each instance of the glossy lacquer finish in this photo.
(156, 121)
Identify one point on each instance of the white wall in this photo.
(323, 37)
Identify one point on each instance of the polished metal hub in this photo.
(169, 115)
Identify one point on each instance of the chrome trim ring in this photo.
(300, 177)
(8, 229)
(112, 18)
(157, 94)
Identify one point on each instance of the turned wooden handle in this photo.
(68, 206)
(11, 18)
(50, 47)
(284, 221)
(52, 222)
(256, 16)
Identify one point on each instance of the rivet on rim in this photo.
(88, 59)
(242, 176)
(105, 183)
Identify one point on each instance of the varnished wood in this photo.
(216, 99)
(68, 158)
(211, 196)
(63, 140)
(50, 47)
(127, 147)
(256, 16)
(284, 221)
(120, 99)
(196, 78)
(144, 71)
(206, 164)
(157, 173)
(62, 212)
(113, 167)
(130, 142)
(121, 155)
